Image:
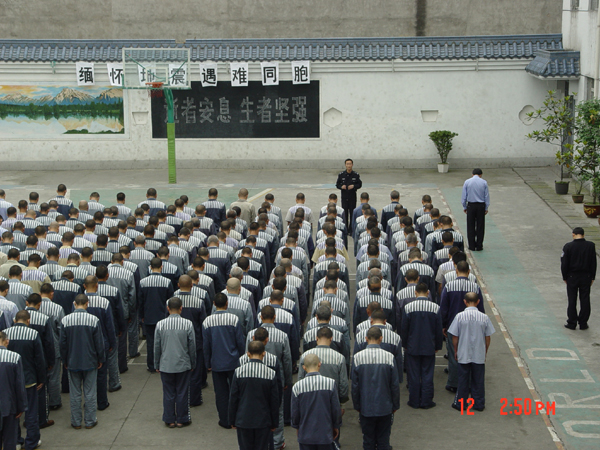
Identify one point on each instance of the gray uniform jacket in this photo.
(248, 211)
(174, 345)
(333, 365)
(279, 345)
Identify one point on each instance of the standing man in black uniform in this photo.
(254, 401)
(348, 182)
(13, 397)
(578, 267)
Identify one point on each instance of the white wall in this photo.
(580, 33)
(381, 104)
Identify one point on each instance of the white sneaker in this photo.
(38, 444)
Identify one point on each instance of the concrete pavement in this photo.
(519, 268)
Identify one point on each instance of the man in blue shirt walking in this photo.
(475, 202)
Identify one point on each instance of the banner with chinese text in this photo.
(255, 111)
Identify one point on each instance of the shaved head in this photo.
(311, 362)
(233, 284)
(185, 281)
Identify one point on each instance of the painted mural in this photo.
(42, 111)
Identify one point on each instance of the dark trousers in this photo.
(376, 432)
(317, 446)
(475, 224)
(254, 438)
(64, 380)
(579, 283)
(133, 332)
(102, 384)
(349, 206)
(43, 404)
(204, 373)
(196, 380)
(122, 358)
(419, 371)
(222, 383)
(176, 397)
(287, 406)
(8, 432)
(149, 332)
(471, 378)
(31, 421)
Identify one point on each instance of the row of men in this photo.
(176, 355)
(298, 209)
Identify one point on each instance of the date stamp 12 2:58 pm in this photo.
(516, 406)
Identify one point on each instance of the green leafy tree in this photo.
(443, 143)
(586, 153)
(559, 124)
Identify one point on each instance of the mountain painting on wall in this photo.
(44, 111)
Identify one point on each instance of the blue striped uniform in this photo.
(375, 382)
(391, 342)
(223, 341)
(81, 341)
(155, 206)
(65, 292)
(316, 409)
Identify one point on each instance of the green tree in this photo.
(559, 124)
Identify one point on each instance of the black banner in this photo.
(284, 111)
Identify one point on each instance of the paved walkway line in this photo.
(260, 194)
(523, 369)
(561, 205)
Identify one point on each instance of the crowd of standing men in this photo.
(251, 296)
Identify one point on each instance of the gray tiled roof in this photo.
(357, 49)
(30, 50)
(338, 49)
(555, 64)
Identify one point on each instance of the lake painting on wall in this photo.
(46, 111)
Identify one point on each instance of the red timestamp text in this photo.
(526, 407)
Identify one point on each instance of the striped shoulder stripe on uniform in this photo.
(471, 316)
(155, 281)
(275, 334)
(19, 288)
(21, 333)
(80, 319)
(107, 289)
(255, 370)
(8, 356)
(237, 303)
(313, 383)
(191, 301)
(364, 326)
(37, 318)
(422, 306)
(326, 356)
(119, 272)
(373, 356)
(97, 301)
(174, 323)
(385, 303)
(423, 269)
(220, 320)
(407, 292)
(462, 285)
(64, 285)
(50, 308)
(311, 335)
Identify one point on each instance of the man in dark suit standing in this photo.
(578, 267)
(348, 182)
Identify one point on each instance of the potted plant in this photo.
(587, 154)
(577, 196)
(559, 123)
(443, 143)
